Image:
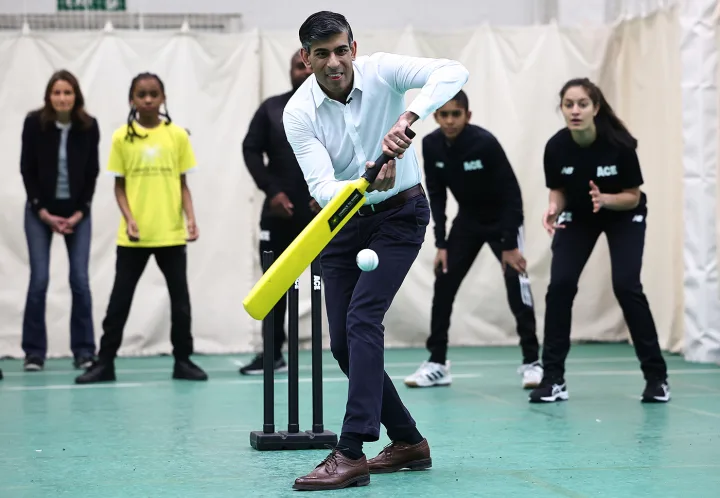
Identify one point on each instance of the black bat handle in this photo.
(371, 174)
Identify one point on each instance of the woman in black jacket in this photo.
(59, 164)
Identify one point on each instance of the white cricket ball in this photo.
(367, 260)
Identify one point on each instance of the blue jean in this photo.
(39, 238)
(356, 305)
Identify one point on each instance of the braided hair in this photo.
(131, 131)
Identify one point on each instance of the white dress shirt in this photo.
(333, 141)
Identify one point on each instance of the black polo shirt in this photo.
(571, 167)
(478, 174)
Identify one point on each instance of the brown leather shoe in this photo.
(335, 472)
(397, 456)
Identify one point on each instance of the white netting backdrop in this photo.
(215, 82)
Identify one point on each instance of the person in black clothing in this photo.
(594, 177)
(470, 161)
(288, 207)
(59, 163)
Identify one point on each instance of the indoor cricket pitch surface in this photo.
(149, 436)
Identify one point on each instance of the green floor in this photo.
(149, 436)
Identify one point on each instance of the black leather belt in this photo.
(395, 201)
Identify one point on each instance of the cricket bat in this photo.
(288, 267)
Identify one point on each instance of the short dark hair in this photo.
(462, 100)
(321, 26)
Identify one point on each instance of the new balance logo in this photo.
(606, 171)
(638, 218)
(567, 170)
(472, 165)
(440, 164)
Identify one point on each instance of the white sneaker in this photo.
(532, 374)
(430, 374)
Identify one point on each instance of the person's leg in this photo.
(82, 334)
(34, 332)
(520, 299)
(626, 241)
(396, 236)
(172, 262)
(129, 267)
(275, 235)
(357, 302)
(463, 247)
(571, 247)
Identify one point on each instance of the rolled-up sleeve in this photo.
(439, 79)
(312, 157)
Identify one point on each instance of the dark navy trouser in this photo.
(356, 305)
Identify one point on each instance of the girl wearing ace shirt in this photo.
(594, 177)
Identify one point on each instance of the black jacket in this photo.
(478, 173)
(266, 134)
(39, 162)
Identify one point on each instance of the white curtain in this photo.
(214, 84)
(700, 78)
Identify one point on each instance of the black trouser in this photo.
(572, 247)
(276, 234)
(463, 245)
(129, 267)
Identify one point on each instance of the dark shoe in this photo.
(256, 366)
(549, 392)
(34, 364)
(187, 370)
(656, 391)
(1, 375)
(397, 456)
(83, 362)
(335, 472)
(97, 372)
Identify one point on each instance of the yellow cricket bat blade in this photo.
(288, 267)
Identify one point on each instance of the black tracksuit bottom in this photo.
(572, 247)
(276, 234)
(465, 240)
(129, 267)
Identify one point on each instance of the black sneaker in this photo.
(1, 375)
(83, 362)
(256, 367)
(656, 391)
(187, 370)
(549, 392)
(34, 364)
(97, 372)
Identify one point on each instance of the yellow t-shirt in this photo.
(152, 167)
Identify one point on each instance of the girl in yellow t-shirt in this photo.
(150, 157)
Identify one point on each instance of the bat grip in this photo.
(371, 174)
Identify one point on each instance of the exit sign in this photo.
(109, 5)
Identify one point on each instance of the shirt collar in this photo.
(319, 95)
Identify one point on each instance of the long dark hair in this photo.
(78, 114)
(608, 124)
(131, 131)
